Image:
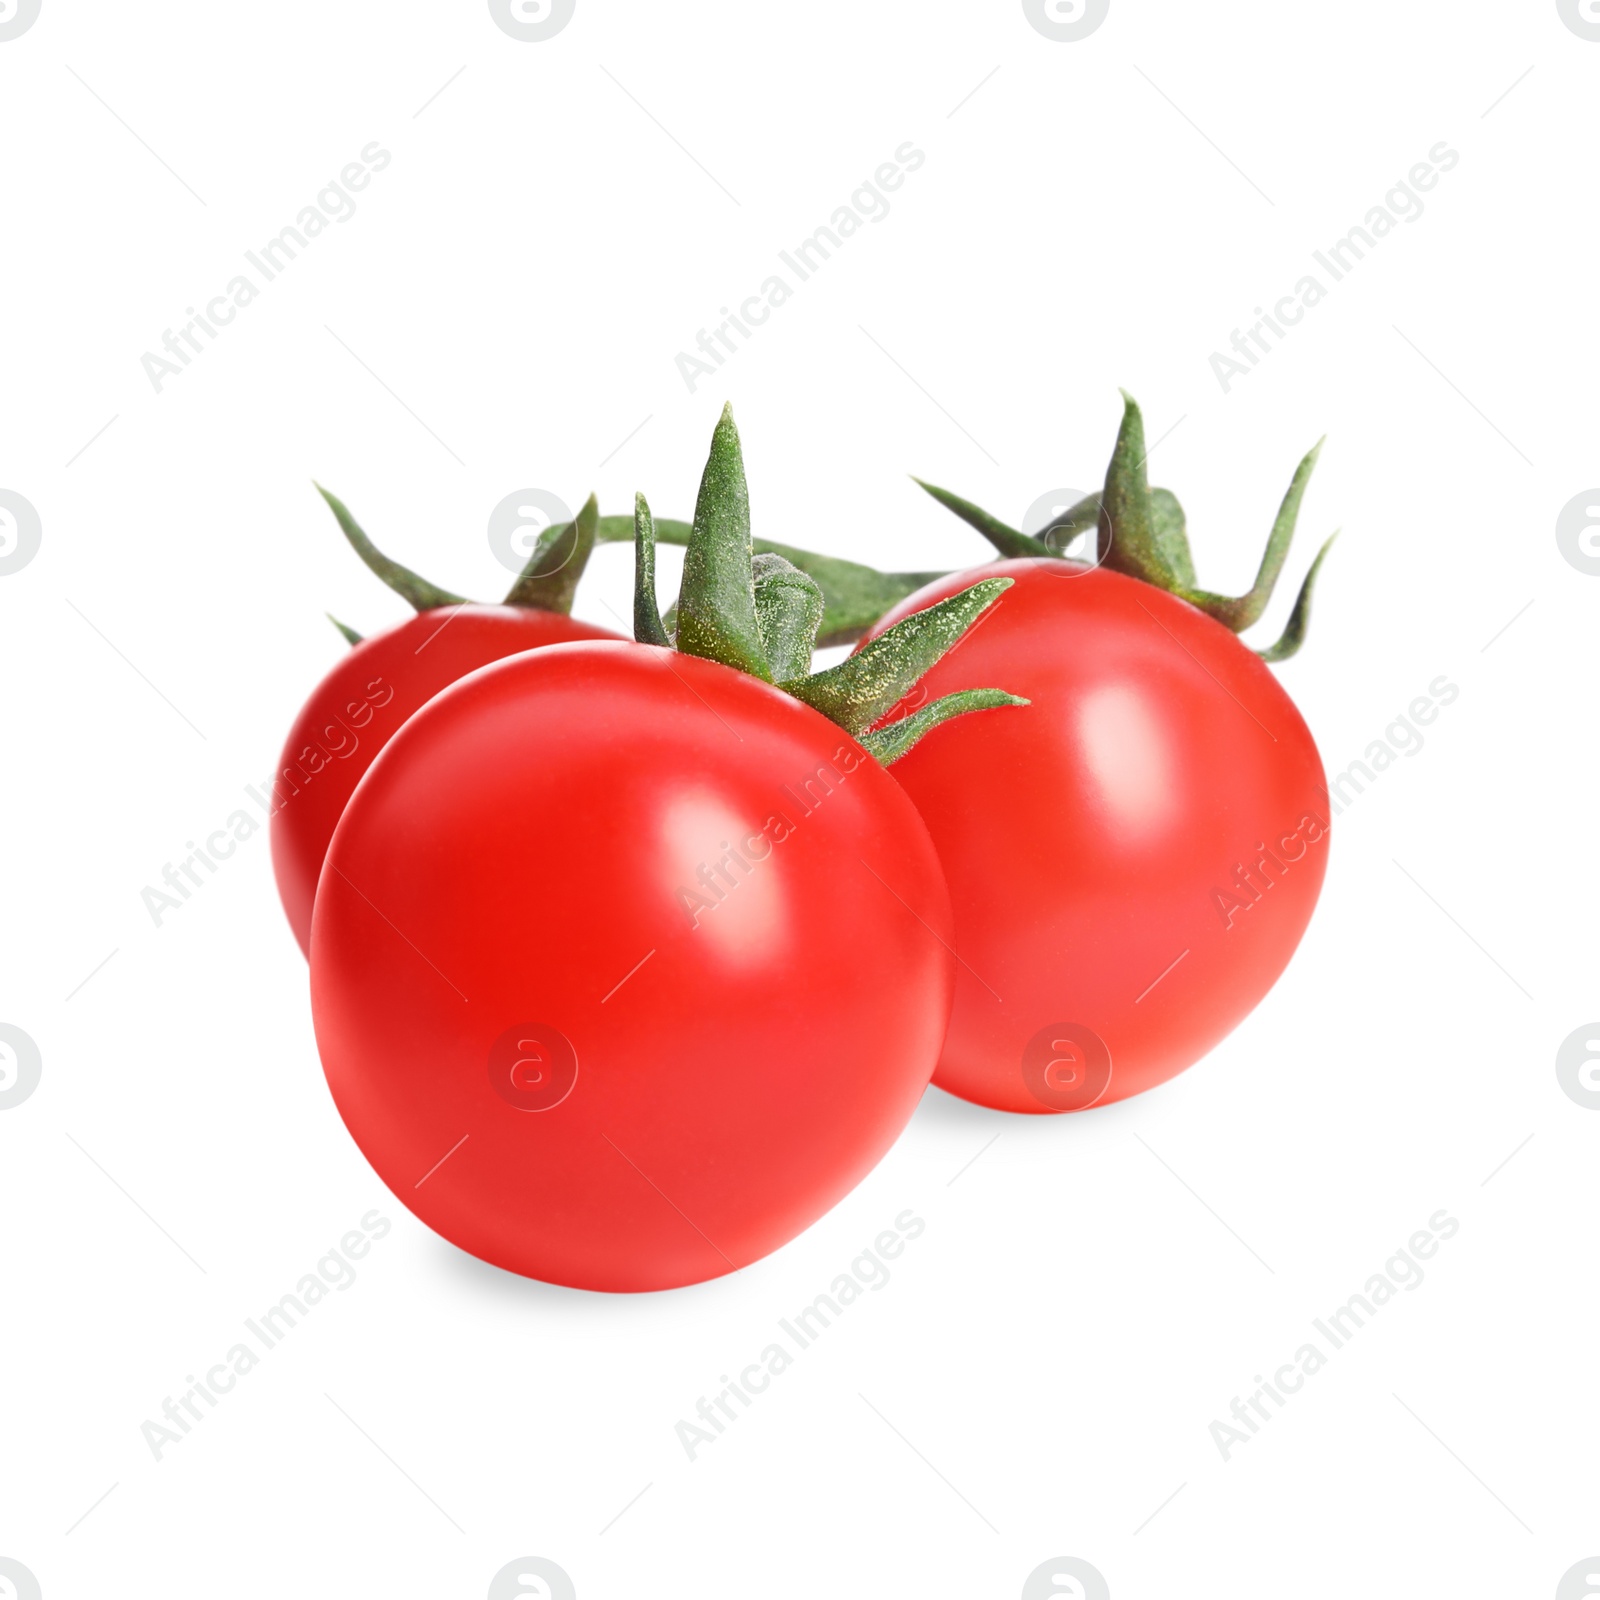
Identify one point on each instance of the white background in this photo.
(504, 310)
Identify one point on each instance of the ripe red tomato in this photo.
(626, 966)
(354, 712)
(1132, 863)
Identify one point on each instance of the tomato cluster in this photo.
(629, 959)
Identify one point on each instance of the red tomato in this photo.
(354, 712)
(1132, 862)
(626, 966)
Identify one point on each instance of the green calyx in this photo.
(547, 583)
(854, 596)
(1141, 532)
(761, 614)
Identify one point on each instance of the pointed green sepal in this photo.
(647, 628)
(416, 591)
(868, 685)
(1068, 526)
(890, 742)
(351, 637)
(1011, 544)
(1294, 634)
(1240, 612)
(549, 582)
(1127, 540)
(717, 600)
(788, 612)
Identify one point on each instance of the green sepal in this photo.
(1167, 525)
(1011, 544)
(647, 628)
(549, 582)
(351, 637)
(788, 613)
(867, 685)
(1294, 633)
(1128, 539)
(416, 591)
(891, 741)
(1240, 612)
(717, 599)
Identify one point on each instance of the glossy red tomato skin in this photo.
(524, 857)
(358, 707)
(1092, 841)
